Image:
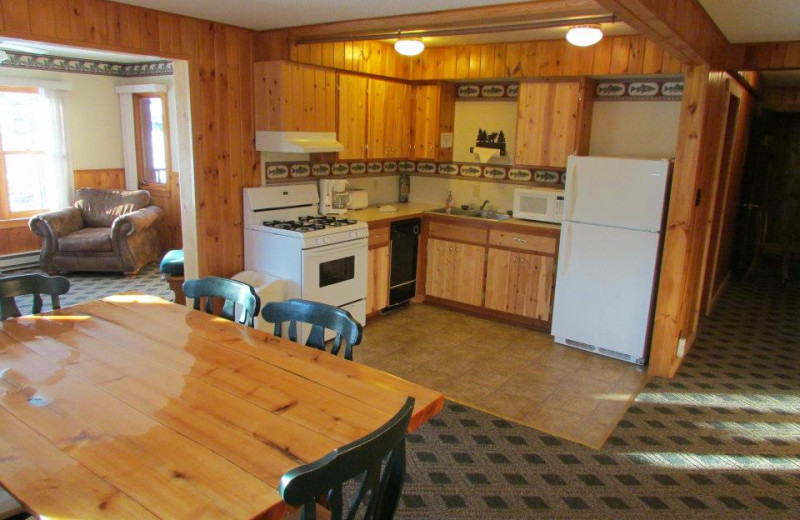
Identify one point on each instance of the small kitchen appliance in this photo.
(542, 204)
(333, 196)
(359, 199)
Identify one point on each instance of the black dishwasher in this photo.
(403, 275)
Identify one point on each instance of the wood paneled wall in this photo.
(618, 55)
(763, 56)
(112, 179)
(701, 130)
(220, 67)
(369, 57)
(782, 99)
(17, 237)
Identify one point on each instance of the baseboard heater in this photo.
(19, 260)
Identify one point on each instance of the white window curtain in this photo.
(61, 186)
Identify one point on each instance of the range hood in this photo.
(297, 142)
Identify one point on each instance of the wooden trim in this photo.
(763, 56)
(680, 27)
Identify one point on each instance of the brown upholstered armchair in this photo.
(105, 230)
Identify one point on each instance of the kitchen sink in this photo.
(459, 212)
(474, 213)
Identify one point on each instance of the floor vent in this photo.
(614, 354)
(19, 260)
(582, 346)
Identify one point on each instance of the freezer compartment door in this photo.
(617, 192)
(604, 289)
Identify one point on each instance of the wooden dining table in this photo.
(135, 407)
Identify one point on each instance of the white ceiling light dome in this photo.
(584, 35)
(409, 46)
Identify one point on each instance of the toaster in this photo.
(359, 199)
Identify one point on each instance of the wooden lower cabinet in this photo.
(506, 272)
(455, 271)
(519, 283)
(377, 279)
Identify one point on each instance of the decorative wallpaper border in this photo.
(80, 66)
(626, 89)
(281, 172)
(484, 91)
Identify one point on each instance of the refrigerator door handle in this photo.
(573, 190)
(567, 243)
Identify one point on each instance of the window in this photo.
(25, 167)
(152, 137)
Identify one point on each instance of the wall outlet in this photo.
(476, 191)
(681, 350)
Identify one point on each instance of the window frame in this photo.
(144, 179)
(5, 206)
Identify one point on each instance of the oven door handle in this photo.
(355, 246)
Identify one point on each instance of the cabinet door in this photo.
(468, 274)
(425, 122)
(534, 285)
(547, 123)
(438, 279)
(378, 279)
(294, 97)
(352, 116)
(499, 281)
(398, 121)
(377, 99)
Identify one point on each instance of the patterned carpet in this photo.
(720, 440)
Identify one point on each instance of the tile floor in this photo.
(504, 369)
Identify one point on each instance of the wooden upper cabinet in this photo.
(389, 119)
(433, 112)
(291, 97)
(352, 116)
(553, 122)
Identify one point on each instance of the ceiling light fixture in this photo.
(584, 35)
(409, 46)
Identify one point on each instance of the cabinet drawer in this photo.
(540, 244)
(473, 235)
(378, 236)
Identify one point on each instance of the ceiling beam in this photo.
(680, 27)
(475, 16)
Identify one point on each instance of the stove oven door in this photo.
(336, 274)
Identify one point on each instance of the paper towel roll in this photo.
(484, 154)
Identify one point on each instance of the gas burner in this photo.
(308, 223)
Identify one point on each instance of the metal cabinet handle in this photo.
(519, 240)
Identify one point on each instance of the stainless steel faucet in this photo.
(483, 206)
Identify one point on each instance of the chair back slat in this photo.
(232, 292)
(30, 284)
(320, 317)
(380, 486)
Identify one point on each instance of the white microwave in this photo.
(543, 204)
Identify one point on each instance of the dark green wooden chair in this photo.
(320, 316)
(377, 460)
(233, 292)
(34, 284)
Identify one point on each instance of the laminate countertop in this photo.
(373, 216)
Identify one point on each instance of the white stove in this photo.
(322, 258)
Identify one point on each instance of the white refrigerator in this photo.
(608, 255)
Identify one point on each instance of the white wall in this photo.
(92, 111)
(635, 128)
(492, 116)
(433, 190)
